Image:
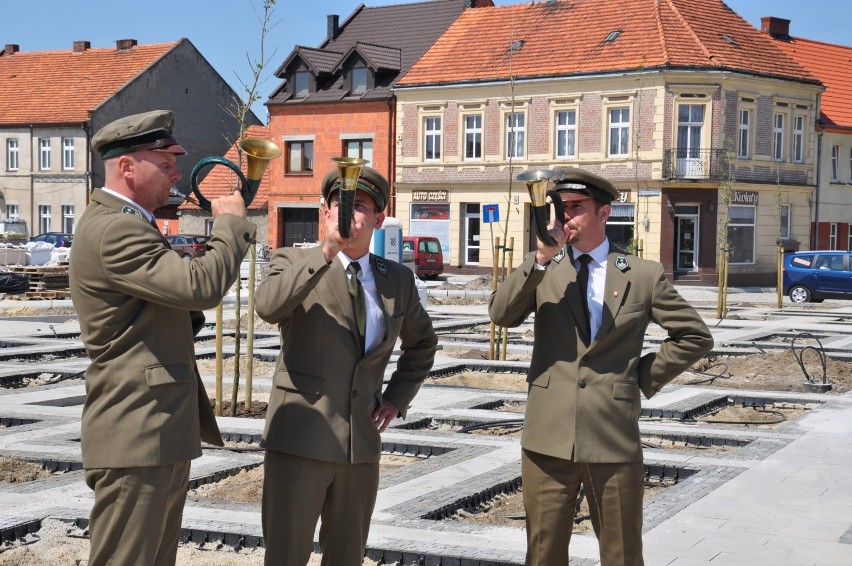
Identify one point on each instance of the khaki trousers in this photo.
(136, 517)
(614, 493)
(298, 491)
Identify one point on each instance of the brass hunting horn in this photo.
(348, 169)
(259, 152)
(537, 182)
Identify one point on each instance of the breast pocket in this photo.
(299, 382)
(169, 374)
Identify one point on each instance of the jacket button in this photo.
(354, 394)
(311, 270)
(582, 384)
(246, 237)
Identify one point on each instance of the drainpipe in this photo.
(32, 184)
(820, 131)
(89, 181)
(392, 155)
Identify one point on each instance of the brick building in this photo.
(699, 119)
(336, 100)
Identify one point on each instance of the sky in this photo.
(227, 32)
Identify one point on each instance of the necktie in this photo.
(356, 291)
(583, 282)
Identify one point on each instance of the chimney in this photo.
(776, 27)
(333, 26)
(125, 44)
(11, 49)
(81, 46)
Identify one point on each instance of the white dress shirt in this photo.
(597, 283)
(375, 330)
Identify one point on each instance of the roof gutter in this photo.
(704, 71)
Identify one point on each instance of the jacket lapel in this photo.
(386, 289)
(615, 290)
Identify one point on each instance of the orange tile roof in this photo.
(62, 87)
(221, 180)
(832, 64)
(567, 37)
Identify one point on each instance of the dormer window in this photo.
(301, 84)
(359, 80)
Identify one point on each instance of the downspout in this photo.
(815, 238)
(89, 180)
(32, 185)
(392, 155)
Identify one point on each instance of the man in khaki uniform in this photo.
(586, 373)
(139, 306)
(327, 406)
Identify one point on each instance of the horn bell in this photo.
(259, 152)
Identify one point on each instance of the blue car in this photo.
(817, 275)
(58, 239)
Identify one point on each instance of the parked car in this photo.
(423, 254)
(188, 245)
(817, 275)
(58, 239)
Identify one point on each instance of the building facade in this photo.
(53, 102)
(336, 100)
(705, 127)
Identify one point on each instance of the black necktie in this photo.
(356, 291)
(583, 282)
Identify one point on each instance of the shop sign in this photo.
(744, 197)
(429, 196)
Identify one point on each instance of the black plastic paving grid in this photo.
(53, 355)
(478, 501)
(21, 379)
(483, 366)
(712, 403)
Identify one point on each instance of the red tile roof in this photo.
(831, 64)
(221, 180)
(568, 37)
(62, 87)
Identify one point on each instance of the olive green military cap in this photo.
(580, 181)
(371, 181)
(151, 131)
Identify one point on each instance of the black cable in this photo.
(781, 418)
(800, 355)
(712, 376)
(493, 424)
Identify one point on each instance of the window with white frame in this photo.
(784, 222)
(515, 134)
(12, 154)
(43, 218)
(832, 236)
(67, 154)
(835, 163)
(744, 139)
(741, 233)
(566, 134)
(432, 138)
(798, 139)
(68, 219)
(778, 137)
(44, 154)
(13, 212)
(362, 149)
(473, 137)
(619, 131)
(299, 157)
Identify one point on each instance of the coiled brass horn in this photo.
(259, 152)
(537, 182)
(348, 169)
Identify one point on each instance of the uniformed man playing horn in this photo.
(340, 310)
(592, 305)
(139, 304)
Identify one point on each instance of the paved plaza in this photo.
(778, 496)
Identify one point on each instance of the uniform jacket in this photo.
(583, 402)
(139, 306)
(324, 390)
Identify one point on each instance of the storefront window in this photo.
(741, 233)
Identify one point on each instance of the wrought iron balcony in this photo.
(698, 164)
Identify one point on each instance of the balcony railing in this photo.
(698, 164)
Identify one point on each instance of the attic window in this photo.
(613, 35)
(301, 84)
(729, 39)
(516, 45)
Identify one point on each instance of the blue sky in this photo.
(226, 31)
